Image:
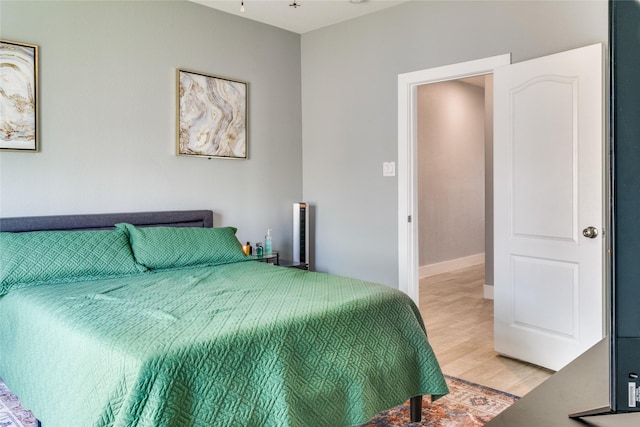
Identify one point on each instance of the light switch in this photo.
(389, 169)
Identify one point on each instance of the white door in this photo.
(548, 188)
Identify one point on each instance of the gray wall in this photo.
(451, 193)
(107, 114)
(107, 81)
(349, 106)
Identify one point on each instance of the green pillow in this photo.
(171, 247)
(37, 257)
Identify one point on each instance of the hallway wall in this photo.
(451, 171)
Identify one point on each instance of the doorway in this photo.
(544, 204)
(408, 221)
(454, 166)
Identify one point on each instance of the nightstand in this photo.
(272, 258)
(291, 264)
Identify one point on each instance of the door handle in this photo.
(590, 232)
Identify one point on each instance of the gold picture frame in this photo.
(211, 116)
(19, 97)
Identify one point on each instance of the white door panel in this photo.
(548, 187)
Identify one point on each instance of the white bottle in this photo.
(268, 249)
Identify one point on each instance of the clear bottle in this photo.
(268, 248)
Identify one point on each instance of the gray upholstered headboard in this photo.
(199, 218)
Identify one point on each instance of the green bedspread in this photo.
(244, 344)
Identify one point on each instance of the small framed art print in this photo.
(211, 116)
(18, 96)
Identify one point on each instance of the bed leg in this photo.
(415, 407)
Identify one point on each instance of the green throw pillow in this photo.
(38, 257)
(171, 247)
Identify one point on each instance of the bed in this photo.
(163, 321)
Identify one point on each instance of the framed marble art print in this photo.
(211, 116)
(18, 96)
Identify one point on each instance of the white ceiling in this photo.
(309, 16)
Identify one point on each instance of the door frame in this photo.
(408, 263)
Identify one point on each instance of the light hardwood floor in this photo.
(459, 324)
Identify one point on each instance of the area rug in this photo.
(467, 405)
(12, 414)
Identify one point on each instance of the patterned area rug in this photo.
(467, 405)
(12, 414)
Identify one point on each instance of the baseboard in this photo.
(487, 291)
(451, 265)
